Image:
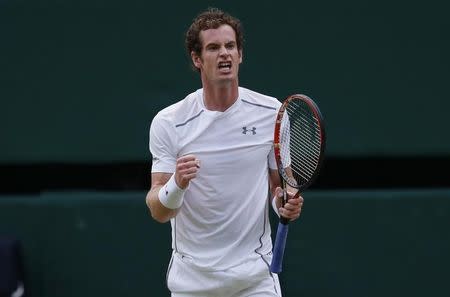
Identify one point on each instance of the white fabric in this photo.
(224, 217)
(250, 278)
(170, 195)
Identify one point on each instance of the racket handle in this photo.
(278, 249)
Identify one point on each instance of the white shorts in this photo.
(252, 278)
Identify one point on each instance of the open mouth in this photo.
(225, 65)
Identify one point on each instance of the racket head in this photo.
(299, 141)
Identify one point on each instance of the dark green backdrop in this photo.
(347, 244)
(81, 80)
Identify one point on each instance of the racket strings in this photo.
(300, 142)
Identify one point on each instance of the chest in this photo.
(235, 142)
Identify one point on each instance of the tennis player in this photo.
(214, 172)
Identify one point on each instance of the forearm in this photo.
(158, 211)
(165, 204)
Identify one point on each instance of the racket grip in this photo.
(278, 249)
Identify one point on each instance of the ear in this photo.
(196, 60)
(240, 56)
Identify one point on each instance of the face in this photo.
(220, 58)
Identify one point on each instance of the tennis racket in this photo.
(299, 145)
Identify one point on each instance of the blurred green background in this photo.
(347, 243)
(80, 82)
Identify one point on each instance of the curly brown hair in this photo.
(212, 18)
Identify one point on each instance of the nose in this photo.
(223, 51)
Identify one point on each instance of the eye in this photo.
(230, 45)
(212, 47)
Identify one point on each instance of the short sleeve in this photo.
(272, 161)
(162, 146)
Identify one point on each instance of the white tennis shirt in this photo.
(224, 217)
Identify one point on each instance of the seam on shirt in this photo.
(266, 214)
(259, 105)
(188, 120)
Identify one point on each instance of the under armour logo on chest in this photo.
(245, 130)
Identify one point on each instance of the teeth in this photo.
(224, 64)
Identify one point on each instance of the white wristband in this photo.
(171, 195)
(274, 205)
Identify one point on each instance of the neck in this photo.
(220, 98)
